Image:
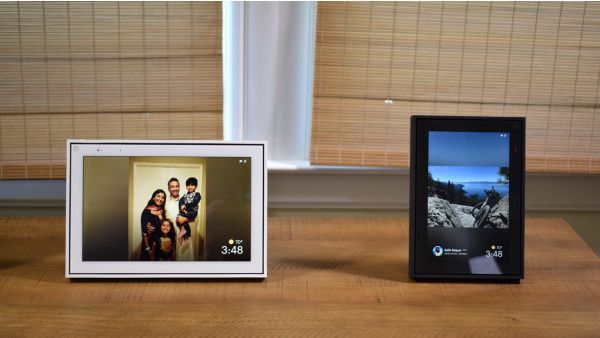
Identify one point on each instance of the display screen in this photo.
(161, 208)
(468, 218)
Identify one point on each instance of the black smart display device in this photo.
(467, 198)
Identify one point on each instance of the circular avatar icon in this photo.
(438, 251)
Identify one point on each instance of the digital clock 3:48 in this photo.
(235, 247)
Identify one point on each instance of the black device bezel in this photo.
(420, 126)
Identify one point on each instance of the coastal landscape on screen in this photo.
(468, 180)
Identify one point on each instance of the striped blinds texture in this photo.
(108, 70)
(539, 60)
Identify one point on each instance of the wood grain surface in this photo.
(327, 277)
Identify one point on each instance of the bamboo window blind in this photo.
(106, 70)
(539, 60)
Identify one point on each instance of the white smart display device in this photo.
(188, 209)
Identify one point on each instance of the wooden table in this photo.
(328, 277)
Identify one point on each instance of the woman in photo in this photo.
(151, 222)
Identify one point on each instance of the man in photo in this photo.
(172, 202)
(184, 250)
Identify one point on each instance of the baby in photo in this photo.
(188, 206)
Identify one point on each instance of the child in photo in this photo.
(165, 243)
(188, 206)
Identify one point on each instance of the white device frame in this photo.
(75, 267)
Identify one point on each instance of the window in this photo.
(378, 63)
(107, 70)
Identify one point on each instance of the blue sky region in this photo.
(469, 149)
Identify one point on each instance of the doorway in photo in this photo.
(162, 181)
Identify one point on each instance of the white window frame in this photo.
(268, 72)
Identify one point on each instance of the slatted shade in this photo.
(539, 60)
(107, 70)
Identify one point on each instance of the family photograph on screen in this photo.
(163, 208)
(167, 218)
